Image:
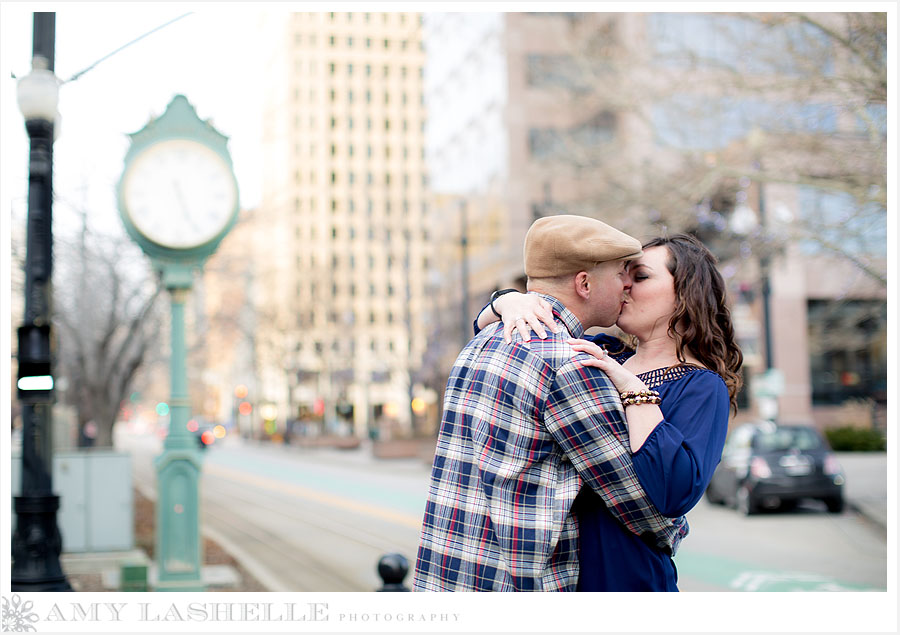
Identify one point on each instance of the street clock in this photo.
(178, 196)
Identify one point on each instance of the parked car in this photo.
(766, 466)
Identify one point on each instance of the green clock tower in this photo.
(178, 198)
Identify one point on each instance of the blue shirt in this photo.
(674, 465)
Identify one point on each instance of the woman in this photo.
(684, 348)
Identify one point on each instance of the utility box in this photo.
(96, 511)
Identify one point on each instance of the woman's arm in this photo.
(640, 418)
(677, 445)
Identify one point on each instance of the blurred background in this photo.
(389, 165)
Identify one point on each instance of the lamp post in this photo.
(36, 543)
(770, 384)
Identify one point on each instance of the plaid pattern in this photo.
(522, 429)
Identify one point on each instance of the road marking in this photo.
(727, 574)
(789, 581)
(332, 500)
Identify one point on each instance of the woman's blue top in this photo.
(674, 465)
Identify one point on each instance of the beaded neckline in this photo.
(659, 376)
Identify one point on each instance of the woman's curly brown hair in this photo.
(702, 316)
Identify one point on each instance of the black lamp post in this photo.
(36, 543)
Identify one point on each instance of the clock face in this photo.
(179, 193)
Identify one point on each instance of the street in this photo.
(319, 520)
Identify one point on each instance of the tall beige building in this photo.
(343, 266)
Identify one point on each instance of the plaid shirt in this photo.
(522, 429)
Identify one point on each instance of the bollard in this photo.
(392, 568)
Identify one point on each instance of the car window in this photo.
(787, 439)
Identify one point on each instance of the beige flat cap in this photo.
(564, 244)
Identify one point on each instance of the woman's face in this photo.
(651, 301)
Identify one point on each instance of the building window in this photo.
(848, 344)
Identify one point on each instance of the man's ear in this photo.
(582, 284)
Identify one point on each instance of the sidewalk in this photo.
(866, 489)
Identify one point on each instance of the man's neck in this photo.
(568, 303)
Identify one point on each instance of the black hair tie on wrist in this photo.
(497, 294)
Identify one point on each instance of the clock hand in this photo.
(185, 212)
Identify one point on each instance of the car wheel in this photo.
(835, 504)
(744, 501)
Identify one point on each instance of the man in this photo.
(524, 425)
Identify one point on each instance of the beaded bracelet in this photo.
(638, 397)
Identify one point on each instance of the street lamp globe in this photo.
(38, 93)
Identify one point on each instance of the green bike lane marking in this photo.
(733, 575)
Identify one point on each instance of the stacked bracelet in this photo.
(638, 397)
(497, 294)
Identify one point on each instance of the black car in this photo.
(765, 466)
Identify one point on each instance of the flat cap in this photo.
(566, 244)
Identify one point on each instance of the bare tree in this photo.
(108, 323)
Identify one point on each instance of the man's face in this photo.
(609, 280)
